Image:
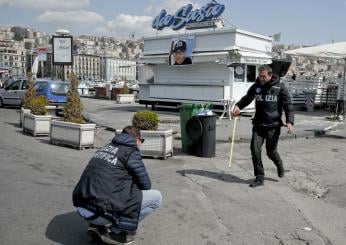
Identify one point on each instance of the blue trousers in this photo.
(151, 201)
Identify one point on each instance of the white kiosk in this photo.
(224, 65)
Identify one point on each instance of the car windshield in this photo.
(59, 88)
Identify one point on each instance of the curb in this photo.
(309, 134)
(98, 125)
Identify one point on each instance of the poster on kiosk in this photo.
(181, 50)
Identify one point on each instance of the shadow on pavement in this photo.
(317, 132)
(68, 229)
(330, 136)
(16, 125)
(214, 175)
(44, 141)
(323, 134)
(135, 108)
(219, 176)
(123, 108)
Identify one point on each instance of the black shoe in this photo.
(281, 170)
(96, 231)
(117, 238)
(257, 182)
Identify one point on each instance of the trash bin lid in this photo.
(194, 128)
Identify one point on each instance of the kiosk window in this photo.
(147, 74)
(239, 71)
(251, 73)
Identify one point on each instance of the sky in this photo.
(300, 22)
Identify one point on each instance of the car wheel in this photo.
(1, 103)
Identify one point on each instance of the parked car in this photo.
(54, 90)
(13, 92)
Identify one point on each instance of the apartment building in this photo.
(12, 58)
(113, 69)
(86, 67)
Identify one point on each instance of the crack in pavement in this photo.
(302, 181)
(206, 202)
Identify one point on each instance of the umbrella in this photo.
(331, 50)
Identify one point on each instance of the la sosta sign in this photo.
(186, 15)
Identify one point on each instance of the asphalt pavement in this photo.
(204, 200)
(109, 114)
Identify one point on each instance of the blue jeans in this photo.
(151, 200)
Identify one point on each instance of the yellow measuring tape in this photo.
(233, 136)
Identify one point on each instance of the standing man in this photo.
(114, 192)
(271, 98)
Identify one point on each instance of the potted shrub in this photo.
(158, 143)
(28, 96)
(37, 121)
(73, 131)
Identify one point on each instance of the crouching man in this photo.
(114, 192)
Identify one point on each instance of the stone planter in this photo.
(72, 134)
(51, 110)
(125, 98)
(157, 143)
(36, 125)
(100, 93)
(21, 115)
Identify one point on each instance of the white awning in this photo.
(332, 50)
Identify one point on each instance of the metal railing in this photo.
(327, 92)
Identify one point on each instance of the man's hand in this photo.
(236, 111)
(289, 128)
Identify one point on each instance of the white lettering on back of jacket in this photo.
(108, 154)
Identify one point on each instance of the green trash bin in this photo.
(187, 111)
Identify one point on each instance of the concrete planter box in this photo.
(72, 134)
(157, 143)
(125, 98)
(51, 110)
(21, 115)
(100, 92)
(36, 125)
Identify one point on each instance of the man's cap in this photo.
(179, 46)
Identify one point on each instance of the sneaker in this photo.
(117, 238)
(96, 231)
(257, 182)
(281, 170)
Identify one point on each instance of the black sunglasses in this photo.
(142, 140)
